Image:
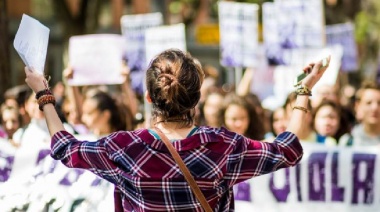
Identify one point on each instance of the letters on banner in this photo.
(337, 179)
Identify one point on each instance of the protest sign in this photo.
(133, 30)
(96, 59)
(31, 42)
(271, 35)
(343, 34)
(287, 24)
(337, 179)
(238, 25)
(158, 39)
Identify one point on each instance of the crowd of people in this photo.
(99, 110)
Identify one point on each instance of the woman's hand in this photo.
(315, 72)
(35, 81)
(68, 73)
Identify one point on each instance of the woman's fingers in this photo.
(324, 64)
(68, 73)
(34, 80)
(27, 70)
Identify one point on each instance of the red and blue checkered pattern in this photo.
(147, 178)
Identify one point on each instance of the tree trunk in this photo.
(4, 50)
(141, 6)
(77, 19)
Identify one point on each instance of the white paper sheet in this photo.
(31, 43)
(96, 59)
(159, 39)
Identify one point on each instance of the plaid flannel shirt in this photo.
(147, 178)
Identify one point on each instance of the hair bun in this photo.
(169, 86)
(167, 79)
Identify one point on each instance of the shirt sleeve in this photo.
(253, 158)
(92, 156)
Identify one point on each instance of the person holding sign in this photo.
(138, 163)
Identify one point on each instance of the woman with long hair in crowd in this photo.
(239, 116)
(330, 123)
(138, 163)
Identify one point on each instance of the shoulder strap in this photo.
(185, 171)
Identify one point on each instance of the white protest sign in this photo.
(300, 23)
(289, 24)
(299, 58)
(271, 35)
(158, 39)
(31, 42)
(96, 59)
(238, 24)
(133, 29)
(339, 179)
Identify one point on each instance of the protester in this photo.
(278, 123)
(210, 82)
(262, 113)
(17, 96)
(102, 115)
(71, 114)
(211, 108)
(367, 108)
(330, 123)
(11, 121)
(138, 163)
(240, 116)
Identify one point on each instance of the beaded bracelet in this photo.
(43, 92)
(45, 99)
(303, 90)
(304, 109)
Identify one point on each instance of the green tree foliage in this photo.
(367, 33)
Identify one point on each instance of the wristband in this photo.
(303, 90)
(304, 109)
(45, 99)
(43, 92)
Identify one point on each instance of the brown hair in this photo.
(174, 81)
(119, 114)
(255, 128)
(365, 86)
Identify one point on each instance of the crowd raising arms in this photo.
(176, 73)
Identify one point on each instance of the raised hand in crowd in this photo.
(300, 108)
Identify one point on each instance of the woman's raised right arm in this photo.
(315, 72)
